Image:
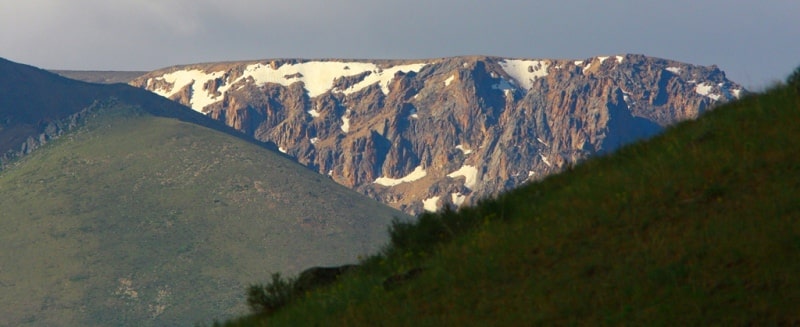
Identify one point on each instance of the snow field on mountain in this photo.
(430, 204)
(525, 72)
(468, 172)
(180, 79)
(317, 77)
(417, 174)
(457, 198)
(463, 149)
(345, 124)
(449, 80)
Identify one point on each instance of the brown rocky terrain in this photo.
(419, 135)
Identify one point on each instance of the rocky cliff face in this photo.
(419, 135)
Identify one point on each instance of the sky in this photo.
(755, 42)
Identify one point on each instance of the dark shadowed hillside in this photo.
(144, 213)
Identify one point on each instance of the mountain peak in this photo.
(366, 121)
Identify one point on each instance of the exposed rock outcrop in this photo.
(421, 134)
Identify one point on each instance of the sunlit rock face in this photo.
(421, 134)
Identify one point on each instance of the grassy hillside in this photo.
(134, 219)
(34, 105)
(699, 226)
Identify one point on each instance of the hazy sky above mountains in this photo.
(755, 42)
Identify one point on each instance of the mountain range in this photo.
(421, 134)
(155, 203)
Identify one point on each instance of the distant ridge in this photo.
(101, 77)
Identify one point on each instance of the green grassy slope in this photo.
(699, 226)
(140, 220)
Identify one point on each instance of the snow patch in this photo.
(737, 93)
(578, 62)
(541, 141)
(345, 124)
(415, 175)
(200, 97)
(457, 198)
(705, 89)
(620, 59)
(602, 59)
(531, 173)
(313, 112)
(525, 72)
(470, 173)
(282, 149)
(464, 150)
(449, 80)
(674, 70)
(546, 162)
(430, 204)
(627, 100)
(314, 140)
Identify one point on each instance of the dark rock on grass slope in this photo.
(142, 215)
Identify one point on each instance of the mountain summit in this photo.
(421, 134)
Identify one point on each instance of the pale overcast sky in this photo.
(755, 42)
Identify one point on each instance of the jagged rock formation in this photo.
(418, 135)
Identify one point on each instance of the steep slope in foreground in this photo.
(419, 134)
(135, 219)
(698, 227)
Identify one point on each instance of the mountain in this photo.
(421, 134)
(135, 210)
(100, 76)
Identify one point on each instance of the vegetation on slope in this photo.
(698, 226)
(134, 219)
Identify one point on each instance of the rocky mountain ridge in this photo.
(421, 134)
